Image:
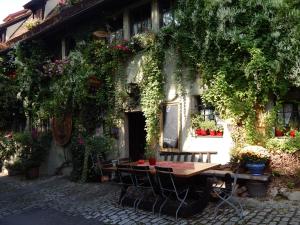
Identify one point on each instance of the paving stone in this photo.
(99, 201)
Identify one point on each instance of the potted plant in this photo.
(293, 128)
(196, 121)
(150, 154)
(207, 126)
(211, 127)
(15, 168)
(279, 128)
(254, 158)
(33, 150)
(220, 130)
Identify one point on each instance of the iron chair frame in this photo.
(128, 172)
(169, 173)
(226, 193)
(144, 171)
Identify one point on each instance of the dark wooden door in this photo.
(137, 135)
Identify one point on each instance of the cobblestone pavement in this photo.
(95, 201)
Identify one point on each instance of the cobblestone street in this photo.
(87, 203)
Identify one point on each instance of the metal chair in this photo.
(98, 164)
(126, 180)
(225, 192)
(144, 183)
(168, 186)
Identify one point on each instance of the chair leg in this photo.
(182, 201)
(229, 201)
(163, 204)
(153, 207)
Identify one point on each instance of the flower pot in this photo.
(219, 133)
(32, 173)
(198, 132)
(292, 133)
(141, 161)
(278, 133)
(212, 133)
(152, 161)
(203, 132)
(256, 169)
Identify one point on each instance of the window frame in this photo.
(143, 18)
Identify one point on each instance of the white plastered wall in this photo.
(12, 29)
(188, 141)
(50, 5)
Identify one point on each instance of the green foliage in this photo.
(29, 150)
(100, 145)
(245, 51)
(150, 153)
(152, 90)
(11, 108)
(284, 145)
(196, 120)
(8, 147)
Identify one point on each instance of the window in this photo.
(207, 111)
(116, 30)
(166, 12)
(141, 20)
(38, 14)
(289, 115)
(2, 36)
(70, 45)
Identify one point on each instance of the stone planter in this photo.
(257, 189)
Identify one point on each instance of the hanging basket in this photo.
(101, 34)
(62, 129)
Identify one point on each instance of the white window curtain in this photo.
(288, 109)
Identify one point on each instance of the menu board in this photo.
(170, 126)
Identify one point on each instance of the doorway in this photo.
(136, 135)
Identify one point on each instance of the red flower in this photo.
(80, 140)
(122, 48)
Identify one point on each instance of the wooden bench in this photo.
(241, 176)
(187, 156)
(256, 185)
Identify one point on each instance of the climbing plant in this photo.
(152, 85)
(245, 52)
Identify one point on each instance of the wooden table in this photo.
(185, 172)
(180, 169)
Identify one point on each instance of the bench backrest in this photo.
(187, 156)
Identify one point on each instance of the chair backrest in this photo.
(165, 178)
(123, 160)
(98, 162)
(142, 174)
(125, 174)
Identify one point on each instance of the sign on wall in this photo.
(170, 126)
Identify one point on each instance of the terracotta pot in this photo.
(152, 161)
(203, 132)
(198, 132)
(292, 133)
(278, 133)
(219, 133)
(212, 133)
(141, 161)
